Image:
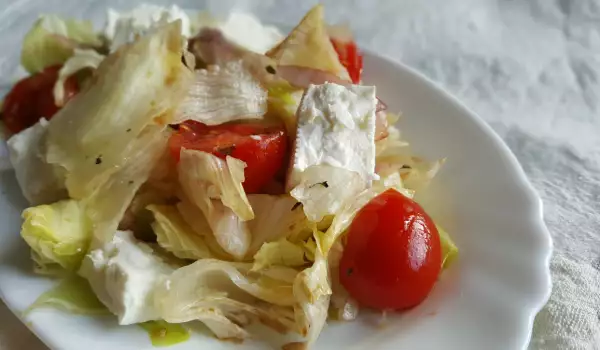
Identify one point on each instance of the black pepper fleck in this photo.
(99, 159)
(226, 150)
(349, 272)
(129, 130)
(131, 182)
(270, 69)
(324, 184)
(406, 166)
(298, 204)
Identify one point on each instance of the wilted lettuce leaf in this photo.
(81, 59)
(323, 190)
(449, 249)
(52, 40)
(224, 295)
(137, 86)
(276, 217)
(215, 186)
(222, 94)
(176, 236)
(281, 253)
(73, 294)
(107, 205)
(313, 292)
(58, 233)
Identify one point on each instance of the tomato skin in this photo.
(350, 57)
(32, 98)
(392, 257)
(262, 147)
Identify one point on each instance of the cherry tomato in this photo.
(392, 257)
(261, 146)
(32, 98)
(350, 57)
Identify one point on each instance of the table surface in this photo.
(530, 68)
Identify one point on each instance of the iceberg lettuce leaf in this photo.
(58, 233)
(52, 40)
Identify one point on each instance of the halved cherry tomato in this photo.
(350, 57)
(32, 98)
(261, 146)
(392, 257)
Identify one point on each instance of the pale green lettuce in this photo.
(176, 236)
(73, 294)
(58, 233)
(52, 40)
(281, 253)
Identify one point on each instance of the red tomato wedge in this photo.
(262, 147)
(392, 257)
(32, 98)
(347, 50)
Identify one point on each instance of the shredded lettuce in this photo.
(73, 294)
(81, 59)
(215, 186)
(281, 252)
(107, 205)
(58, 233)
(222, 94)
(276, 217)
(52, 40)
(135, 87)
(323, 190)
(176, 236)
(394, 155)
(224, 295)
(313, 292)
(449, 249)
(194, 217)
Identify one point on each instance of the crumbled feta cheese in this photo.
(122, 27)
(124, 274)
(336, 127)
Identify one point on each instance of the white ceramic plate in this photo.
(488, 298)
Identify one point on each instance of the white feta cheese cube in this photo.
(124, 274)
(336, 127)
(39, 181)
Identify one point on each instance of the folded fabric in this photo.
(571, 318)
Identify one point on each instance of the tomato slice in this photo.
(261, 146)
(32, 98)
(392, 257)
(350, 57)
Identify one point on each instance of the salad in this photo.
(183, 168)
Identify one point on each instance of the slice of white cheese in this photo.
(336, 127)
(124, 274)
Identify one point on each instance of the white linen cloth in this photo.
(531, 68)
